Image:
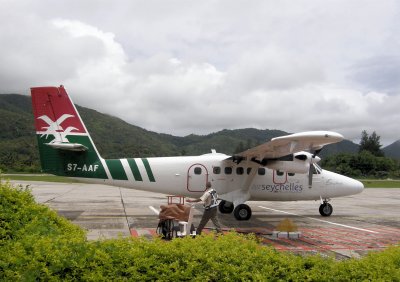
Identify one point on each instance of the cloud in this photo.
(379, 73)
(273, 69)
(199, 67)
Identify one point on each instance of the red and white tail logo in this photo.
(55, 114)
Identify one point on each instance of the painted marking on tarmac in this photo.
(320, 220)
(154, 210)
(138, 232)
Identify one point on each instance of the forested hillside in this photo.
(18, 146)
(115, 138)
(393, 150)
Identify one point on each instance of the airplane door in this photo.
(318, 187)
(197, 177)
(318, 181)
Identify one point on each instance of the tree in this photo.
(371, 144)
(239, 147)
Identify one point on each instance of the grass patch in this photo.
(39, 177)
(373, 183)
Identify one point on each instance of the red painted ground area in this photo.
(335, 239)
(321, 240)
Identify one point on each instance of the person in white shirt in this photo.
(210, 202)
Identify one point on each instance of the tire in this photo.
(166, 229)
(225, 207)
(242, 212)
(325, 209)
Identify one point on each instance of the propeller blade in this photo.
(316, 152)
(310, 175)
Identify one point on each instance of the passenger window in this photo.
(216, 170)
(248, 170)
(239, 170)
(197, 170)
(228, 170)
(261, 171)
(279, 173)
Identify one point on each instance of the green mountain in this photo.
(393, 150)
(18, 148)
(18, 145)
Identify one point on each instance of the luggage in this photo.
(174, 220)
(166, 228)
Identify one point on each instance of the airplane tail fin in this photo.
(65, 145)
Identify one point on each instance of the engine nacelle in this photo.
(300, 163)
(295, 166)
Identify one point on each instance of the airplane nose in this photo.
(356, 186)
(340, 185)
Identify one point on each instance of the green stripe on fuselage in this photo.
(116, 169)
(135, 170)
(148, 170)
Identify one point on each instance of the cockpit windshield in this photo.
(316, 169)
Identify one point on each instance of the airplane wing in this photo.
(278, 147)
(290, 144)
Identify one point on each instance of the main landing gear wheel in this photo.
(225, 207)
(325, 209)
(242, 212)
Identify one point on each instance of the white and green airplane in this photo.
(283, 169)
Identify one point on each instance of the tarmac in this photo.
(361, 223)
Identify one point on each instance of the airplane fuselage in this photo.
(187, 176)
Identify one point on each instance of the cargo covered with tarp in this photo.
(174, 211)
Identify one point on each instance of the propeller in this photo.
(313, 159)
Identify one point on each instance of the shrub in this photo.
(36, 244)
(20, 216)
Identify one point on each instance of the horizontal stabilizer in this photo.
(68, 146)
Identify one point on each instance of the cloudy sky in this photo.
(183, 67)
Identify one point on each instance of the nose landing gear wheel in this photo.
(242, 212)
(325, 209)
